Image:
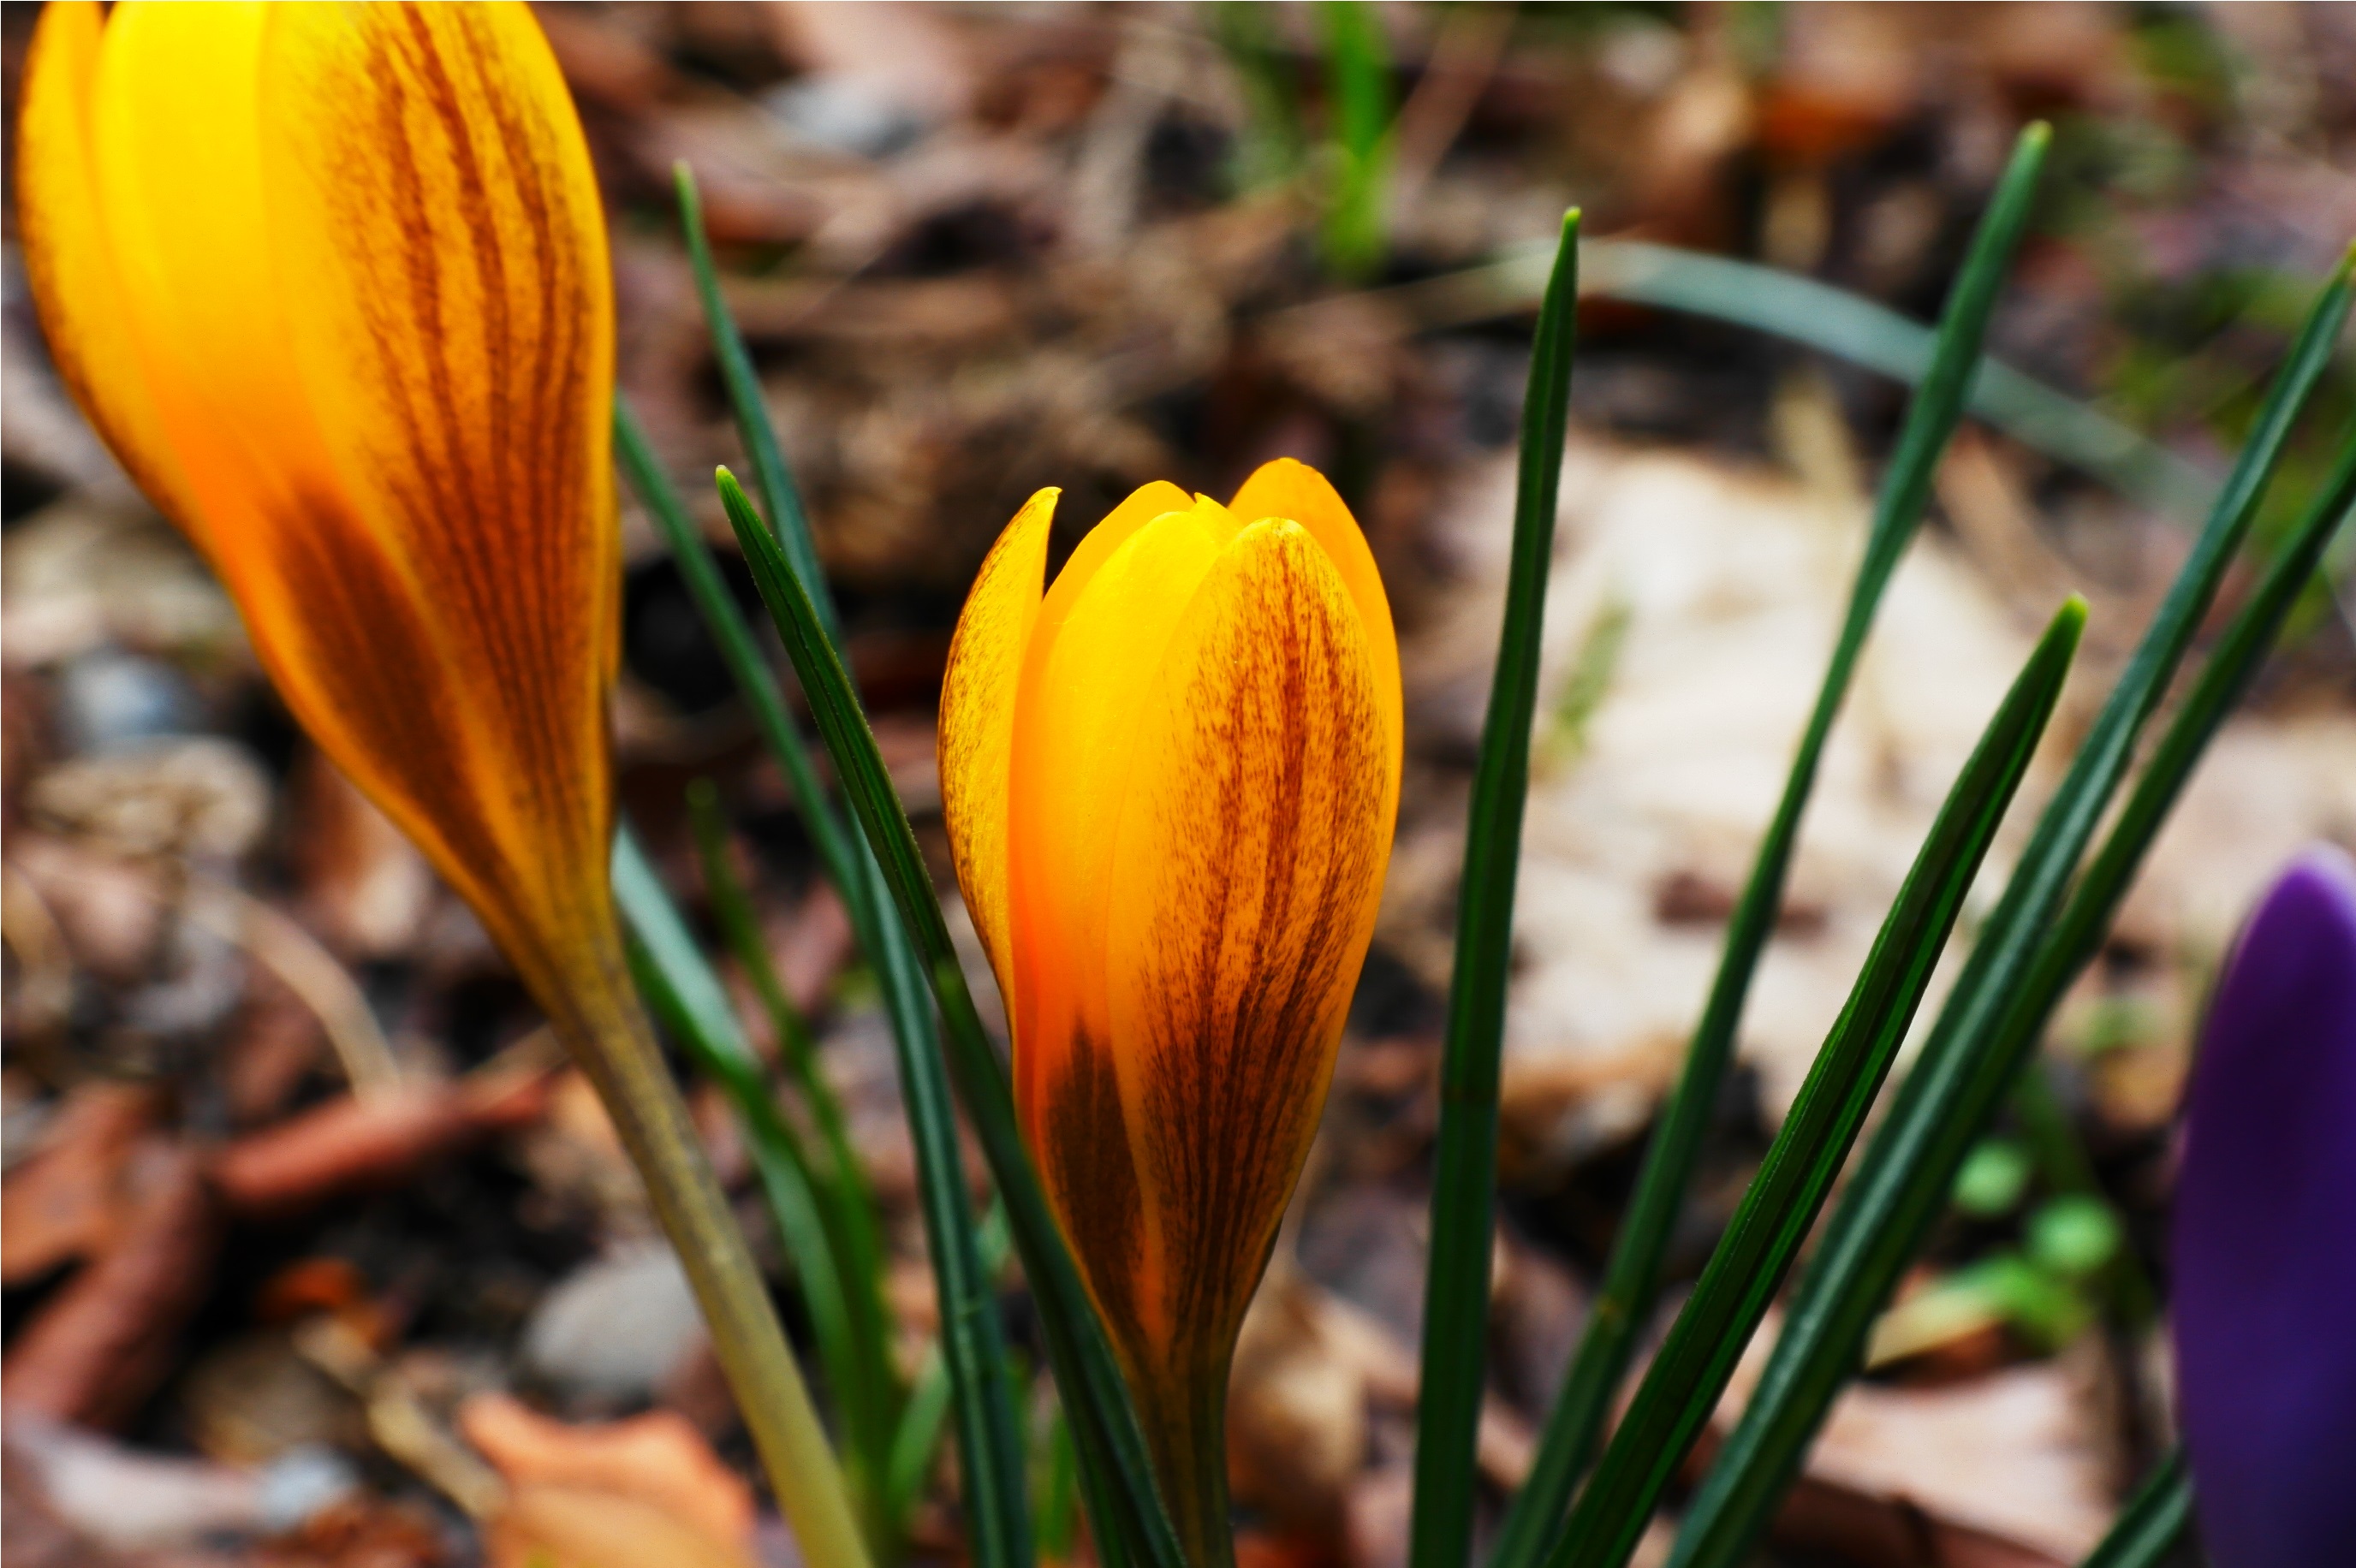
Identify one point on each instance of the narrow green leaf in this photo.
(2153, 1520)
(1464, 1173)
(732, 909)
(922, 1419)
(1124, 1503)
(1699, 1357)
(1359, 140)
(686, 997)
(699, 570)
(847, 1202)
(1632, 1279)
(1862, 332)
(973, 1333)
(2016, 972)
(779, 496)
(1846, 325)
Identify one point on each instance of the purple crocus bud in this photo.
(2265, 1294)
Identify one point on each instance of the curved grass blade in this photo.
(686, 997)
(1832, 321)
(740, 928)
(779, 496)
(846, 1201)
(1359, 135)
(1464, 1177)
(1632, 1278)
(2008, 985)
(918, 1436)
(1862, 332)
(986, 1434)
(1741, 1278)
(1124, 1504)
(2153, 1520)
(699, 570)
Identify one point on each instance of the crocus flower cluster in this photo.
(2264, 1293)
(1170, 780)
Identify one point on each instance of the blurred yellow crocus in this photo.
(1170, 782)
(331, 281)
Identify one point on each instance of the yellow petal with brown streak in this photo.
(1249, 861)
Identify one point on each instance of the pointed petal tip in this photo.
(2265, 1230)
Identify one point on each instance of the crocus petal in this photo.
(1250, 859)
(2265, 1246)
(427, 173)
(1075, 718)
(69, 260)
(1292, 490)
(977, 728)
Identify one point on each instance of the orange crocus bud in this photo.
(331, 281)
(1170, 783)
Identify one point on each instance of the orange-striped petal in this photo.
(426, 169)
(1292, 490)
(1249, 861)
(977, 728)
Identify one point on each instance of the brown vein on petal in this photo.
(485, 387)
(1084, 1149)
(1253, 937)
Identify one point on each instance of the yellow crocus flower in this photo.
(331, 281)
(1170, 782)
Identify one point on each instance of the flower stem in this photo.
(612, 1039)
(1186, 1420)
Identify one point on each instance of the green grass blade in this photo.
(2153, 1520)
(976, 1349)
(1358, 126)
(973, 1338)
(779, 496)
(740, 928)
(1864, 333)
(1846, 325)
(686, 997)
(1693, 1366)
(1464, 1178)
(1632, 1278)
(925, 1414)
(699, 570)
(2008, 985)
(1123, 1501)
(847, 1200)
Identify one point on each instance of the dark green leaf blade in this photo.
(1632, 1279)
(2015, 973)
(779, 495)
(1699, 1357)
(2151, 1524)
(986, 1425)
(1465, 1177)
(846, 1201)
(1124, 1502)
(699, 570)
